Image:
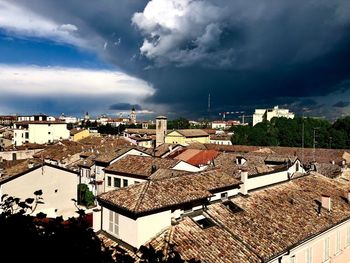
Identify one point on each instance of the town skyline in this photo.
(166, 58)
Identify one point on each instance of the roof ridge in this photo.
(142, 195)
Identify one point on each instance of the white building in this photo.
(59, 186)
(39, 132)
(68, 119)
(261, 115)
(218, 125)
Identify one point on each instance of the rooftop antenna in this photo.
(209, 106)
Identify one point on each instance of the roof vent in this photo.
(326, 202)
(153, 169)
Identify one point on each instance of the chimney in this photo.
(326, 202)
(244, 179)
(153, 169)
(161, 130)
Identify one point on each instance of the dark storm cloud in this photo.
(341, 104)
(242, 52)
(124, 106)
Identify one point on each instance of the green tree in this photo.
(179, 123)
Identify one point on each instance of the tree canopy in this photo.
(289, 132)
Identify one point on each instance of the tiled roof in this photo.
(12, 168)
(268, 222)
(163, 149)
(255, 163)
(203, 157)
(141, 131)
(220, 137)
(282, 216)
(109, 155)
(158, 194)
(187, 154)
(213, 244)
(192, 133)
(140, 165)
(328, 169)
(305, 155)
(166, 173)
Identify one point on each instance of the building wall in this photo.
(139, 231)
(149, 226)
(221, 142)
(20, 155)
(176, 138)
(218, 125)
(130, 181)
(4, 142)
(217, 196)
(47, 133)
(183, 166)
(58, 187)
(81, 135)
(19, 137)
(316, 246)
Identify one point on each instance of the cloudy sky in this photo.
(166, 56)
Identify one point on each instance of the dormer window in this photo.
(203, 222)
(232, 207)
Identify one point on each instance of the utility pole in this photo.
(302, 138)
(209, 106)
(314, 144)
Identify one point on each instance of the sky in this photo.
(164, 57)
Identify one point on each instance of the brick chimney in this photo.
(326, 202)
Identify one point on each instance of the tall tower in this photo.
(161, 129)
(133, 115)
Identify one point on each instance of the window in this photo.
(292, 259)
(347, 236)
(49, 133)
(113, 225)
(309, 255)
(337, 243)
(224, 196)
(125, 182)
(326, 249)
(116, 182)
(109, 181)
(203, 221)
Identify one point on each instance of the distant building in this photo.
(218, 125)
(39, 132)
(68, 119)
(78, 134)
(261, 115)
(187, 136)
(133, 116)
(161, 130)
(7, 119)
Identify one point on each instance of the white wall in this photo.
(46, 133)
(20, 155)
(48, 179)
(183, 166)
(230, 193)
(121, 177)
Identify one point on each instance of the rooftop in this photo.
(140, 165)
(267, 223)
(161, 194)
(192, 133)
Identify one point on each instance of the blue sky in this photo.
(166, 56)
(44, 52)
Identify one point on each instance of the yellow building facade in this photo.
(185, 137)
(77, 135)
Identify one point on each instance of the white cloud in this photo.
(33, 81)
(25, 23)
(169, 26)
